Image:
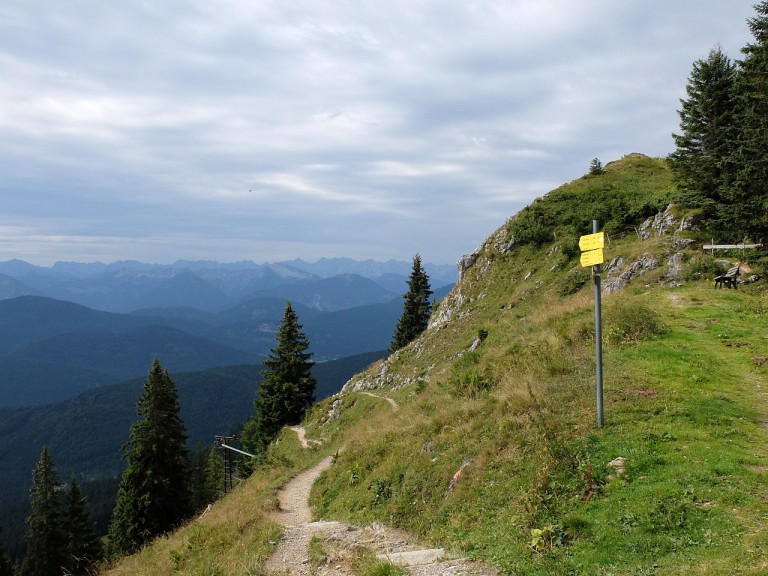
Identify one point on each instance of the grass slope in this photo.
(494, 453)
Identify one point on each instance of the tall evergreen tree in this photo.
(206, 478)
(745, 200)
(82, 544)
(416, 309)
(287, 388)
(214, 479)
(154, 496)
(707, 131)
(44, 540)
(6, 566)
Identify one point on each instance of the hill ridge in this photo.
(494, 452)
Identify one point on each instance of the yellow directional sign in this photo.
(592, 242)
(592, 257)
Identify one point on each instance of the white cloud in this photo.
(293, 129)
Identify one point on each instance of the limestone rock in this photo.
(647, 262)
(662, 223)
(682, 243)
(690, 222)
(616, 466)
(665, 222)
(675, 264)
(466, 262)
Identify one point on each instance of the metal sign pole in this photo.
(598, 336)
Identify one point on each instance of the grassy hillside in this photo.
(494, 451)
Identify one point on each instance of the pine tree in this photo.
(214, 477)
(206, 479)
(416, 308)
(287, 388)
(154, 496)
(745, 202)
(44, 540)
(707, 125)
(6, 566)
(82, 543)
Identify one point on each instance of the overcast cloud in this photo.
(266, 130)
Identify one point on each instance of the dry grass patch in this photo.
(231, 539)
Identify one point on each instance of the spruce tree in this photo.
(287, 387)
(214, 474)
(707, 131)
(416, 309)
(6, 566)
(206, 478)
(44, 540)
(154, 496)
(82, 548)
(745, 202)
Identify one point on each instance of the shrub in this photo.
(533, 225)
(574, 280)
(702, 268)
(466, 379)
(627, 321)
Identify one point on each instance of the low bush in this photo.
(574, 281)
(626, 321)
(466, 379)
(702, 268)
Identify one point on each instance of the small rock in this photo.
(682, 243)
(675, 264)
(617, 464)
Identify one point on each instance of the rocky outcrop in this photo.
(447, 308)
(466, 262)
(665, 223)
(682, 243)
(498, 242)
(611, 285)
(661, 224)
(675, 266)
(382, 377)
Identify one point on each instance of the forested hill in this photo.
(85, 434)
(51, 350)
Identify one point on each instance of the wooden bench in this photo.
(729, 279)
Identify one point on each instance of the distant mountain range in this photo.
(51, 350)
(126, 286)
(66, 329)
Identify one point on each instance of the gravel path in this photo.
(341, 543)
(301, 433)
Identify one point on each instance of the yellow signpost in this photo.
(592, 258)
(592, 255)
(592, 242)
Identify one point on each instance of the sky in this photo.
(267, 130)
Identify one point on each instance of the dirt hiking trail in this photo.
(342, 543)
